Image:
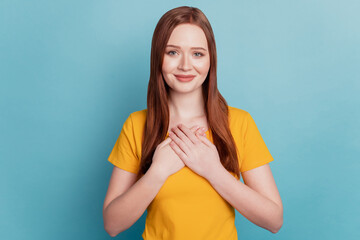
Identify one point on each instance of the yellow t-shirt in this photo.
(187, 206)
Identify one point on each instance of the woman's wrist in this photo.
(156, 173)
(216, 174)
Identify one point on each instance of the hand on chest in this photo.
(189, 123)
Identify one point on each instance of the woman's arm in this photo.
(258, 199)
(126, 201)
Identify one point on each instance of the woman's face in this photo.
(187, 60)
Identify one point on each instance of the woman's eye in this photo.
(198, 54)
(171, 52)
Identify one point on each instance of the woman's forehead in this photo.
(188, 35)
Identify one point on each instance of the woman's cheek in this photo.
(203, 66)
(169, 64)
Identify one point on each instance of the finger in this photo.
(184, 147)
(166, 141)
(206, 141)
(195, 128)
(198, 129)
(182, 136)
(201, 131)
(178, 151)
(189, 134)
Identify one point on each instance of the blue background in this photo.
(72, 71)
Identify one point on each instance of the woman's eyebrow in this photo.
(174, 46)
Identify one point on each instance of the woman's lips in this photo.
(185, 78)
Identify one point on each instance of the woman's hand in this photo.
(165, 160)
(196, 151)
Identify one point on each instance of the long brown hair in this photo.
(216, 108)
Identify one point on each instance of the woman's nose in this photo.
(185, 63)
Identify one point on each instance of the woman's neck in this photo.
(186, 106)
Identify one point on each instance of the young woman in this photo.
(181, 158)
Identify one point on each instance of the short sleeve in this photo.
(255, 152)
(124, 154)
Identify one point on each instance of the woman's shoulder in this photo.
(235, 112)
(238, 120)
(135, 124)
(138, 117)
(139, 114)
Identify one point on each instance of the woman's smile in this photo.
(184, 78)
